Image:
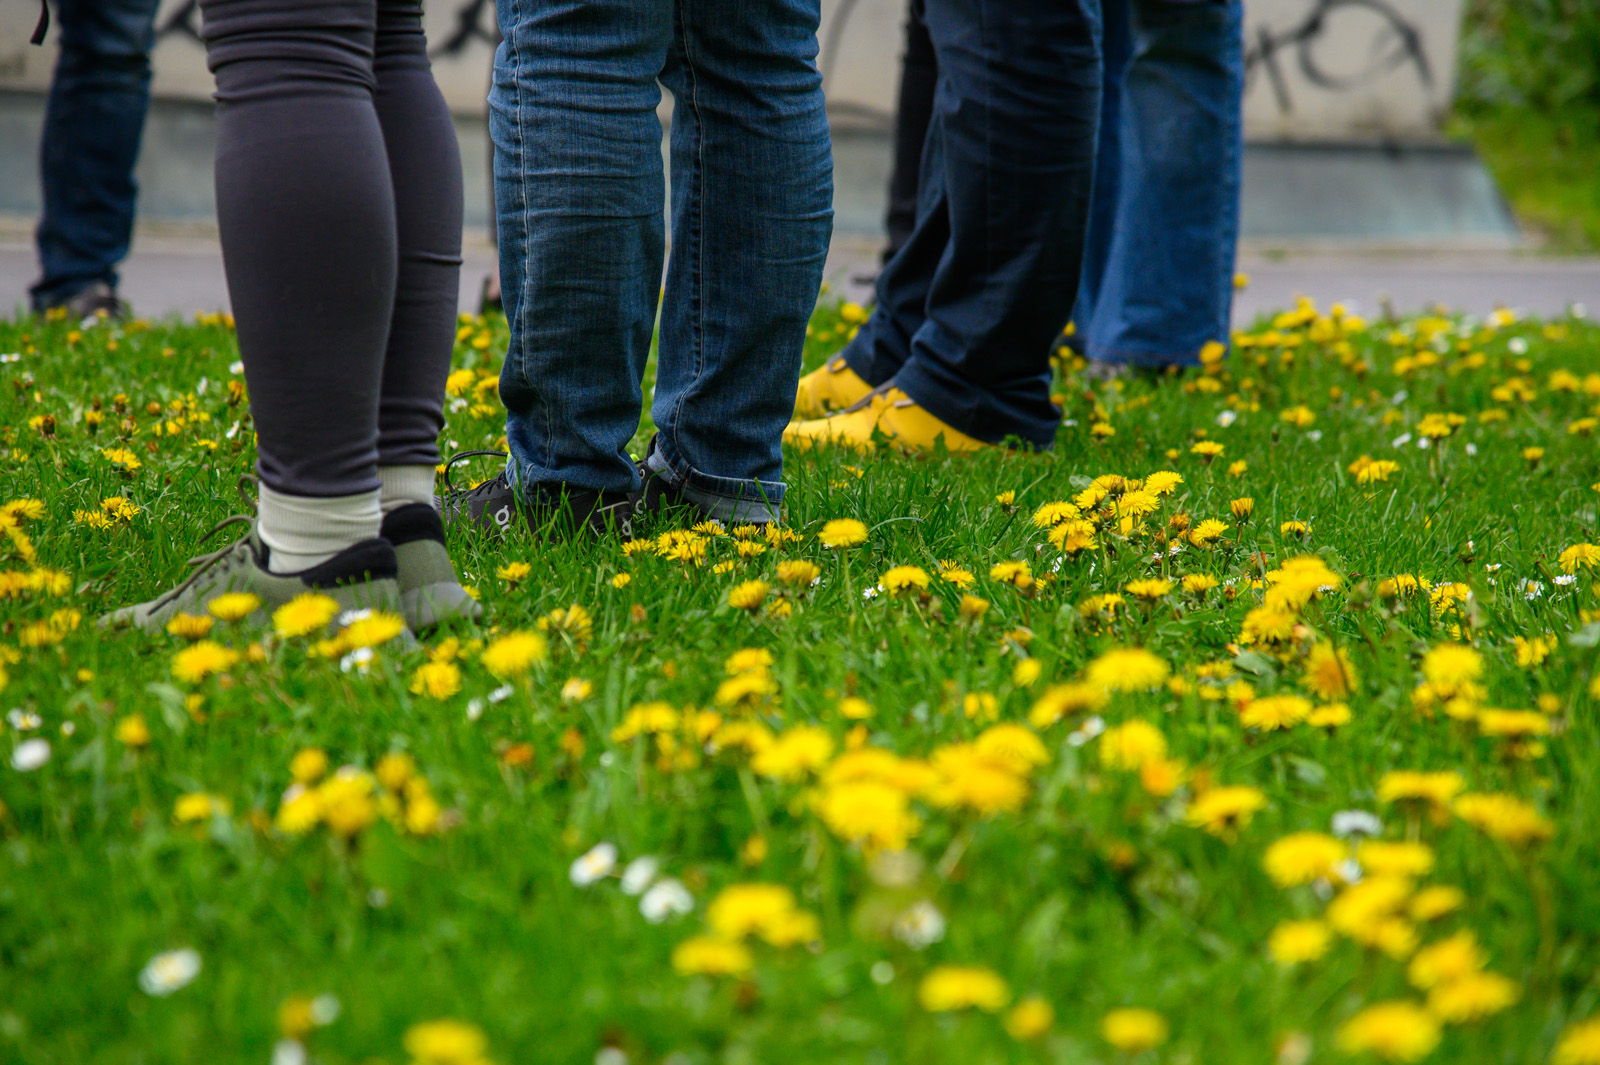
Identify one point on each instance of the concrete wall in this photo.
(1319, 69)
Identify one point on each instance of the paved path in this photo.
(182, 273)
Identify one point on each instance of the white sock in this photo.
(404, 485)
(305, 531)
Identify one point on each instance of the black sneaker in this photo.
(553, 512)
(97, 300)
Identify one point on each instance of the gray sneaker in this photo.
(360, 577)
(430, 591)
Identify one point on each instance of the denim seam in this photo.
(697, 274)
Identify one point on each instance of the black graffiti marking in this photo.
(469, 28)
(1397, 44)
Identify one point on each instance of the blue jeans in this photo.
(93, 122)
(969, 308)
(1158, 269)
(578, 191)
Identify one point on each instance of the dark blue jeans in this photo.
(93, 123)
(969, 308)
(1158, 269)
(578, 189)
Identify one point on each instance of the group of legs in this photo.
(339, 205)
(998, 235)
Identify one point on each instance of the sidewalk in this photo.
(180, 273)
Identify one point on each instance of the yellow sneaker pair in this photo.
(886, 414)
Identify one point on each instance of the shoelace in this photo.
(478, 490)
(201, 563)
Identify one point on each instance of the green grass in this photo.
(1546, 166)
(1092, 893)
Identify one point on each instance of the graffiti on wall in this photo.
(1316, 69)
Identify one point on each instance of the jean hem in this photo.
(927, 394)
(747, 497)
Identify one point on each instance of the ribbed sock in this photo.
(403, 485)
(305, 531)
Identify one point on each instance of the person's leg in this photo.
(1168, 284)
(579, 193)
(306, 217)
(919, 76)
(425, 173)
(1015, 120)
(94, 120)
(1116, 49)
(306, 214)
(752, 210)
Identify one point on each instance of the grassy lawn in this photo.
(1548, 168)
(1138, 780)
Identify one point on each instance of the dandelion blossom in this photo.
(843, 532)
(955, 987)
(1395, 1031)
(304, 614)
(513, 654)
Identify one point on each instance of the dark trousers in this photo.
(339, 208)
(969, 307)
(93, 123)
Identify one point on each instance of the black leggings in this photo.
(339, 206)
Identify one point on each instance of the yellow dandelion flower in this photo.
(748, 595)
(1579, 556)
(446, 1042)
(902, 579)
(436, 680)
(200, 660)
(1303, 857)
(1579, 1044)
(1472, 998)
(305, 614)
(1132, 745)
(190, 626)
(711, 956)
(372, 630)
(132, 731)
(234, 606)
(309, 765)
(1394, 1031)
(1272, 712)
(1222, 811)
(798, 573)
(1031, 1018)
(1297, 942)
(513, 654)
(843, 532)
(1133, 1031)
(1126, 669)
(949, 988)
(794, 753)
(514, 572)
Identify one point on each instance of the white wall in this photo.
(1319, 69)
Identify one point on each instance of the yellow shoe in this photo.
(894, 415)
(833, 386)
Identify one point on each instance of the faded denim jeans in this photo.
(579, 195)
(93, 124)
(1164, 222)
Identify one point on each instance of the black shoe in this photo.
(552, 512)
(95, 300)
